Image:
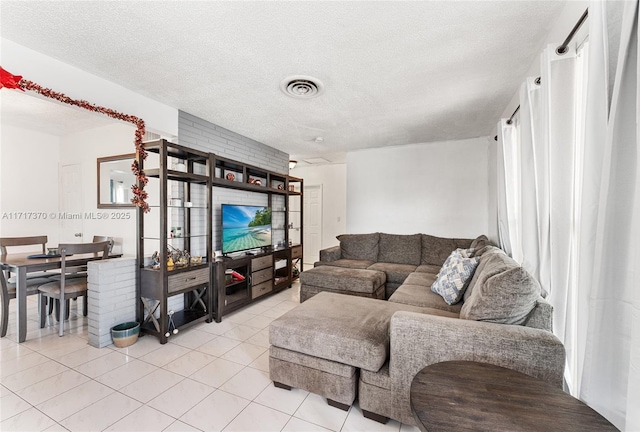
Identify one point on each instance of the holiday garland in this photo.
(139, 195)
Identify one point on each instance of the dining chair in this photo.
(8, 292)
(69, 285)
(24, 241)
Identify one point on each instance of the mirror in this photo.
(114, 181)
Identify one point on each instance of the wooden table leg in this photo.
(21, 297)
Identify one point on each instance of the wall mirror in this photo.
(114, 181)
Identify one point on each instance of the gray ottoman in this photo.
(357, 282)
(320, 345)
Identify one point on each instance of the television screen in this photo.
(245, 227)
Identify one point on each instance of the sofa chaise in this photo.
(343, 346)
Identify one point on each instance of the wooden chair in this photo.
(8, 292)
(24, 241)
(69, 286)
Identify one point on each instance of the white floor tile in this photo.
(51, 387)
(262, 362)
(11, 405)
(259, 322)
(298, 425)
(101, 414)
(4, 391)
(315, 409)
(261, 338)
(13, 351)
(151, 385)
(143, 346)
(258, 417)
(83, 355)
(178, 426)
(189, 363)
(103, 364)
(126, 374)
(142, 419)
(248, 383)
(356, 422)
(215, 412)
(33, 375)
(219, 346)
(217, 372)
(74, 400)
(29, 420)
(12, 366)
(287, 401)
(240, 317)
(219, 328)
(241, 332)
(181, 398)
(275, 312)
(191, 338)
(168, 353)
(245, 353)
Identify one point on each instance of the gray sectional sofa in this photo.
(345, 346)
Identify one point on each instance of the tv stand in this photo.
(268, 272)
(249, 253)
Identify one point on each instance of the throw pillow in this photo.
(455, 275)
(507, 297)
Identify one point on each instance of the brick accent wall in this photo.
(200, 134)
(112, 297)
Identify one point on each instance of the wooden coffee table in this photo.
(470, 396)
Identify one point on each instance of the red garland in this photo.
(139, 195)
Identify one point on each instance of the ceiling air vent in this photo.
(301, 87)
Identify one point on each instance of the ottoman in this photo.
(356, 282)
(321, 345)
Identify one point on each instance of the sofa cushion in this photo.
(396, 273)
(428, 268)
(422, 296)
(400, 249)
(346, 263)
(507, 297)
(435, 250)
(422, 279)
(462, 243)
(359, 246)
(455, 275)
(346, 329)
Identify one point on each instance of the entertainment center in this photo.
(260, 246)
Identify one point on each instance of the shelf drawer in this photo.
(261, 276)
(188, 279)
(261, 289)
(296, 252)
(262, 262)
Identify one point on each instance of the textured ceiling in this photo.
(394, 72)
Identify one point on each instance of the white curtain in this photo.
(611, 375)
(576, 222)
(508, 183)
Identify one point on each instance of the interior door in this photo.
(312, 223)
(70, 214)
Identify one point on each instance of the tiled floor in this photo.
(211, 377)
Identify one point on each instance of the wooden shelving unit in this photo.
(190, 176)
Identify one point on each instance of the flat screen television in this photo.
(245, 227)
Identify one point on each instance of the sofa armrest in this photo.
(419, 340)
(331, 254)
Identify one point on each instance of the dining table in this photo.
(21, 264)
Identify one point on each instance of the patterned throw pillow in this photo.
(455, 275)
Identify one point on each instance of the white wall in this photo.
(78, 84)
(28, 183)
(84, 148)
(437, 188)
(333, 179)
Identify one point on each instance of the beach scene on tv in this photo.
(245, 227)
